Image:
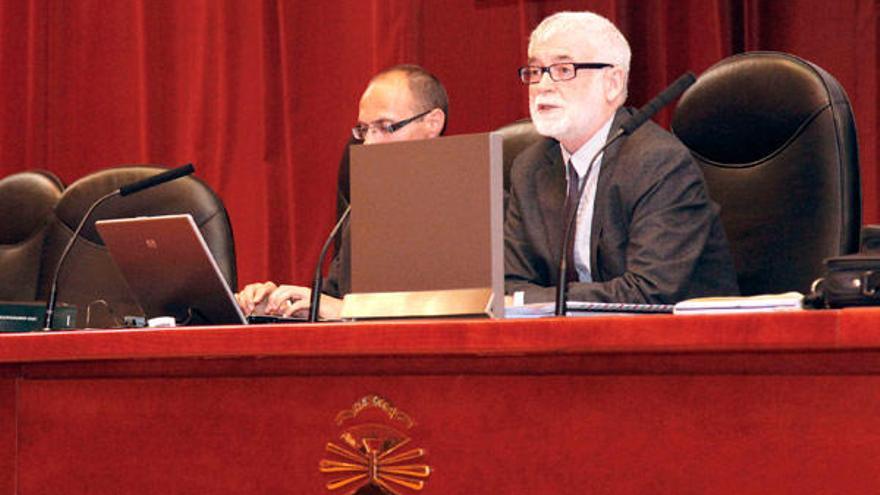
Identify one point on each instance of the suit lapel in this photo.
(551, 183)
(600, 206)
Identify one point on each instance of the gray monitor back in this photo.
(428, 215)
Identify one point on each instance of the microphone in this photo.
(667, 95)
(318, 281)
(635, 121)
(174, 173)
(125, 190)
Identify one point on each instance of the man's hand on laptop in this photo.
(267, 298)
(253, 295)
(294, 300)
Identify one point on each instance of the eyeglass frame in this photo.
(547, 69)
(386, 128)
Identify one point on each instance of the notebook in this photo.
(171, 271)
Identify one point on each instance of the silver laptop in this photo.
(170, 270)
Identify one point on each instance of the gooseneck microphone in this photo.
(155, 180)
(664, 98)
(635, 121)
(125, 190)
(317, 282)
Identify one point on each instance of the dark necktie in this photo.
(571, 206)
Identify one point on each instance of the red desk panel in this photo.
(757, 403)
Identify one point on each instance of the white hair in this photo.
(605, 36)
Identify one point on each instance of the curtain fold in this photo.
(260, 94)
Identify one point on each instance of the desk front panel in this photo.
(735, 416)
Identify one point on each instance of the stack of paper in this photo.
(788, 301)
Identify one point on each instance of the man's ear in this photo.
(615, 84)
(434, 122)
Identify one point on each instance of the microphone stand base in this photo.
(31, 316)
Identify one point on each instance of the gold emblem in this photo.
(371, 457)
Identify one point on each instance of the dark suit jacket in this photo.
(337, 283)
(656, 235)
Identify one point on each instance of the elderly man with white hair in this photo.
(646, 229)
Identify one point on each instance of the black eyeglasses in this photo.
(360, 131)
(532, 74)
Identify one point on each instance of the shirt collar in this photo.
(581, 158)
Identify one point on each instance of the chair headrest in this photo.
(748, 107)
(184, 195)
(26, 202)
(517, 136)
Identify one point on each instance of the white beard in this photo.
(554, 127)
(566, 123)
(556, 123)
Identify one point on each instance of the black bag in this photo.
(853, 279)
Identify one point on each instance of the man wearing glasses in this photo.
(402, 103)
(645, 228)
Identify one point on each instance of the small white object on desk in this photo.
(162, 322)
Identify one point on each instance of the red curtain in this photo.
(260, 94)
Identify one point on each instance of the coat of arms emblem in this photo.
(373, 454)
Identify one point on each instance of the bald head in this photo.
(398, 94)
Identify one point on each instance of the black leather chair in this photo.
(26, 203)
(517, 136)
(89, 279)
(776, 139)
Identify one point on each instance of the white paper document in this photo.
(788, 301)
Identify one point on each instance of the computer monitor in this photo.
(427, 215)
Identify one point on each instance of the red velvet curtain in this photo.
(260, 94)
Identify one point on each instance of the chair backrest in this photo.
(26, 203)
(517, 136)
(343, 185)
(89, 279)
(776, 139)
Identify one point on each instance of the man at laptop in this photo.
(646, 230)
(402, 103)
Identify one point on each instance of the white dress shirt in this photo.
(581, 160)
